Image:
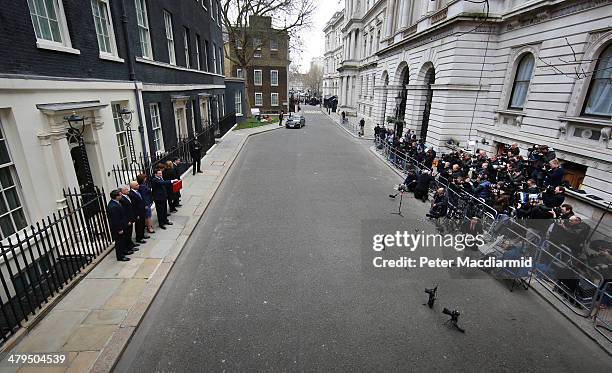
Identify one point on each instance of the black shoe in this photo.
(174, 210)
(169, 223)
(147, 237)
(135, 245)
(141, 241)
(200, 172)
(162, 227)
(135, 249)
(124, 259)
(179, 205)
(129, 252)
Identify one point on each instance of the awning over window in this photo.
(69, 107)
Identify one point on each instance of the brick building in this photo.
(265, 73)
(160, 59)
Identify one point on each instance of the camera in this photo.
(402, 188)
(454, 314)
(431, 292)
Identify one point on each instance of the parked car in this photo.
(295, 121)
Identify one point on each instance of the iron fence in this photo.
(226, 123)
(38, 262)
(125, 173)
(602, 320)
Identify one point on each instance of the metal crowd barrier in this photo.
(602, 320)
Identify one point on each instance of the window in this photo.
(169, 38)
(258, 99)
(273, 77)
(239, 73)
(104, 27)
(214, 54)
(204, 5)
(219, 14)
(599, 98)
(49, 21)
(180, 120)
(121, 134)
(273, 44)
(186, 48)
(273, 99)
(206, 55)
(521, 81)
(222, 105)
(143, 29)
(198, 57)
(158, 141)
(257, 76)
(212, 9)
(220, 61)
(12, 216)
(238, 103)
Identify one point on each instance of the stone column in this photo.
(405, 13)
(432, 6)
(389, 18)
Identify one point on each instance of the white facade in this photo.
(35, 134)
(467, 76)
(333, 55)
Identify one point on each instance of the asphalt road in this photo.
(277, 278)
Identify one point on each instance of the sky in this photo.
(314, 40)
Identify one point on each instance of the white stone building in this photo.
(333, 54)
(530, 72)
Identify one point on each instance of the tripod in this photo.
(399, 207)
(453, 323)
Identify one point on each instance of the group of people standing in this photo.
(130, 207)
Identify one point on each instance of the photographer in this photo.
(554, 175)
(572, 233)
(554, 197)
(439, 206)
(421, 187)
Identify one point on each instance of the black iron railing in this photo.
(123, 174)
(38, 262)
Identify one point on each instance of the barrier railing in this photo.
(602, 321)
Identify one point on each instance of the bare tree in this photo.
(245, 40)
(313, 79)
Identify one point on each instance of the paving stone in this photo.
(89, 294)
(126, 295)
(89, 338)
(147, 268)
(161, 248)
(82, 362)
(52, 332)
(108, 317)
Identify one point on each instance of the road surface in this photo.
(275, 279)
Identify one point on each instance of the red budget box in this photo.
(177, 186)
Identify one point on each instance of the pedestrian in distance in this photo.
(196, 156)
(361, 127)
(126, 202)
(139, 206)
(280, 118)
(147, 197)
(118, 222)
(160, 197)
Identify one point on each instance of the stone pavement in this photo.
(352, 127)
(96, 319)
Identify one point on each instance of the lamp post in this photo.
(397, 125)
(126, 117)
(75, 132)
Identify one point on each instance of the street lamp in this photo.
(126, 117)
(77, 128)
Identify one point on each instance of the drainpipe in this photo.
(132, 76)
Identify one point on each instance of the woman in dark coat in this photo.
(147, 197)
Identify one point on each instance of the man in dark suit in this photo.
(138, 205)
(118, 222)
(422, 185)
(160, 197)
(196, 156)
(126, 202)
